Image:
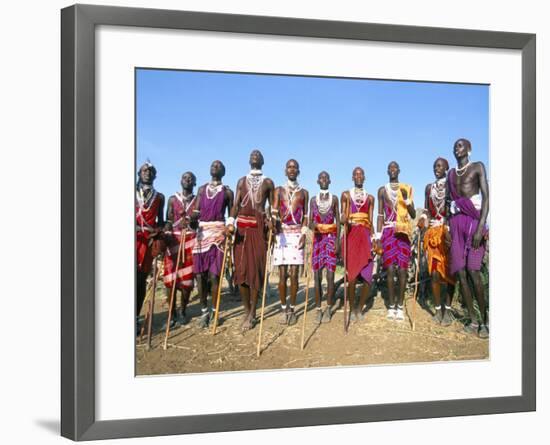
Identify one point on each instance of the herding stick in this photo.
(416, 281)
(308, 276)
(220, 282)
(345, 278)
(173, 292)
(267, 260)
(152, 304)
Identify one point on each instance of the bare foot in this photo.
(243, 319)
(248, 323)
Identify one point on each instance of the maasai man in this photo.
(253, 191)
(325, 224)
(469, 212)
(178, 222)
(435, 243)
(213, 199)
(290, 213)
(149, 222)
(357, 208)
(395, 210)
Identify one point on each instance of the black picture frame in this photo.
(78, 25)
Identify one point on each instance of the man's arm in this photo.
(447, 199)
(238, 198)
(229, 197)
(160, 214)
(336, 212)
(312, 223)
(380, 216)
(306, 211)
(410, 205)
(169, 214)
(484, 188)
(344, 203)
(273, 199)
(305, 218)
(200, 191)
(427, 196)
(196, 214)
(371, 207)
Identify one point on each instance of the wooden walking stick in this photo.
(345, 278)
(146, 300)
(151, 305)
(308, 276)
(220, 282)
(267, 261)
(173, 291)
(416, 283)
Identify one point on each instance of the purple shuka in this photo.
(324, 244)
(463, 224)
(208, 251)
(396, 246)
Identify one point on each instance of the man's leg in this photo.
(141, 287)
(282, 294)
(475, 276)
(436, 291)
(214, 287)
(466, 291)
(391, 292)
(327, 314)
(330, 288)
(402, 274)
(173, 316)
(245, 298)
(448, 316)
(351, 300)
(202, 282)
(317, 279)
(365, 290)
(185, 297)
(294, 270)
(251, 317)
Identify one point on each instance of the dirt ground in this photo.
(374, 340)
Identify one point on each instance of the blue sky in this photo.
(185, 120)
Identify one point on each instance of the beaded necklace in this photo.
(358, 196)
(391, 192)
(437, 195)
(323, 205)
(146, 197)
(212, 190)
(254, 181)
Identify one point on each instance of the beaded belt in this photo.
(247, 222)
(292, 228)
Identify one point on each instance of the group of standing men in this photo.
(456, 206)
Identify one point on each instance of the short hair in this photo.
(396, 164)
(445, 162)
(150, 167)
(358, 168)
(190, 173)
(293, 160)
(259, 152)
(466, 142)
(325, 172)
(222, 165)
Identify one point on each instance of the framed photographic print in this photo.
(281, 207)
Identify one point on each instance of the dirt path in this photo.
(372, 341)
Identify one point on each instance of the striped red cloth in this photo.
(184, 271)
